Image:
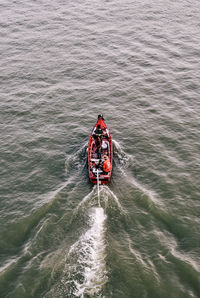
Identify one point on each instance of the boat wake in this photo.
(85, 269)
(76, 161)
(85, 273)
(98, 215)
(108, 199)
(104, 198)
(124, 160)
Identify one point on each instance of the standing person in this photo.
(97, 134)
(97, 131)
(100, 117)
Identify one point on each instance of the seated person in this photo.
(97, 131)
(104, 145)
(100, 117)
(106, 165)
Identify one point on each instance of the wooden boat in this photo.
(99, 147)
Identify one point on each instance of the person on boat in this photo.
(100, 117)
(98, 131)
(97, 135)
(106, 165)
(104, 146)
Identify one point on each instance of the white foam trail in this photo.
(105, 190)
(89, 252)
(98, 189)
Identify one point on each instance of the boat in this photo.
(98, 150)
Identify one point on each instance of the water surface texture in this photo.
(62, 63)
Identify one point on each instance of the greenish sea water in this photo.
(62, 63)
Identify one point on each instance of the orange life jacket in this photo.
(107, 166)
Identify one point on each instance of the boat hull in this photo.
(95, 154)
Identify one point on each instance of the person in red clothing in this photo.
(106, 164)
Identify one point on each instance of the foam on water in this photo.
(85, 263)
(108, 196)
(123, 158)
(153, 199)
(87, 202)
(76, 160)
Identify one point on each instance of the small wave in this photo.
(151, 197)
(16, 232)
(85, 263)
(88, 198)
(123, 158)
(108, 197)
(185, 263)
(76, 160)
(89, 201)
(145, 263)
(124, 161)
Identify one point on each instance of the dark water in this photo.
(62, 63)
